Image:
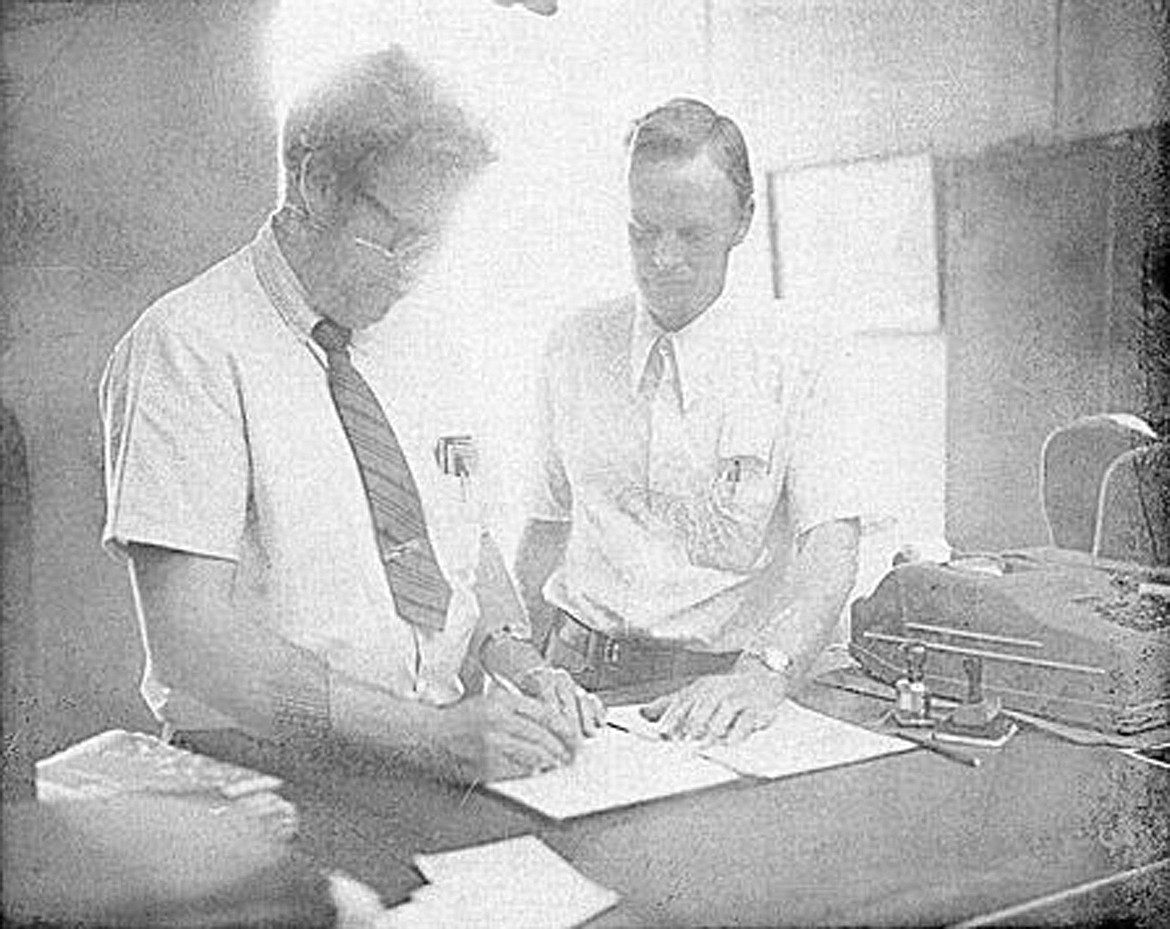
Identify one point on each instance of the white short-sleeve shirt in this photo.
(678, 496)
(222, 440)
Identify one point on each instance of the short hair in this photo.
(372, 108)
(683, 128)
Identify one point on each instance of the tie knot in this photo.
(664, 345)
(660, 364)
(331, 336)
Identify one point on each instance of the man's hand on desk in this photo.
(556, 688)
(504, 735)
(721, 707)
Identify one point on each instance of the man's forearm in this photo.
(806, 611)
(499, 603)
(504, 643)
(267, 685)
(200, 646)
(540, 552)
(403, 731)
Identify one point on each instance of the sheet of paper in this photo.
(799, 740)
(515, 883)
(614, 769)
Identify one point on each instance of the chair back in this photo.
(1133, 520)
(1074, 459)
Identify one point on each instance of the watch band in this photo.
(773, 658)
(505, 632)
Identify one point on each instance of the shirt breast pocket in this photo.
(452, 508)
(732, 517)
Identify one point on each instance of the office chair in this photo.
(1074, 459)
(1133, 518)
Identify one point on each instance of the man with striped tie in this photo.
(693, 521)
(307, 576)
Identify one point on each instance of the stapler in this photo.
(979, 718)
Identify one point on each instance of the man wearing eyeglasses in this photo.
(692, 525)
(308, 569)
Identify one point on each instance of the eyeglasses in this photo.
(408, 243)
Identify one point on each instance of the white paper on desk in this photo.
(614, 769)
(799, 740)
(514, 884)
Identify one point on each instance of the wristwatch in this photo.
(771, 657)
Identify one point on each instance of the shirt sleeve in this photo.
(176, 459)
(548, 494)
(823, 470)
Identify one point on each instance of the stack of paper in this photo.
(614, 769)
(514, 884)
(799, 740)
(118, 762)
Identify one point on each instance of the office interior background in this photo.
(1010, 153)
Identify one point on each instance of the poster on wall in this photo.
(854, 243)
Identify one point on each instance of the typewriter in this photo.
(1073, 639)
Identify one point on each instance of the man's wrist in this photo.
(503, 636)
(770, 658)
(508, 655)
(529, 681)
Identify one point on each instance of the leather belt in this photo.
(635, 660)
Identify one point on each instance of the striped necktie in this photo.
(420, 591)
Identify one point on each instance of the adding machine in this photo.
(1070, 638)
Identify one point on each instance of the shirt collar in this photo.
(288, 294)
(645, 334)
(696, 345)
(281, 284)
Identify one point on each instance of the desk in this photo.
(905, 838)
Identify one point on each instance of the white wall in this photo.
(139, 147)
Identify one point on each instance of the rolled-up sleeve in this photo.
(824, 483)
(548, 495)
(176, 458)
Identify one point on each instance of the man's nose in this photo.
(668, 251)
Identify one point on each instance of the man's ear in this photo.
(747, 211)
(319, 188)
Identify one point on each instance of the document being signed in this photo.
(633, 763)
(614, 769)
